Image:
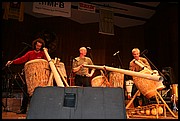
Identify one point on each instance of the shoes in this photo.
(22, 111)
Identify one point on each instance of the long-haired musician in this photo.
(36, 53)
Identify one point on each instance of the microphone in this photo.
(115, 53)
(144, 52)
(72, 58)
(26, 44)
(88, 47)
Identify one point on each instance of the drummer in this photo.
(137, 68)
(82, 74)
(36, 53)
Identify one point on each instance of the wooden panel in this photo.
(12, 104)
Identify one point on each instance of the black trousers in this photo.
(26, 98)
(145, 100)
(82, 81)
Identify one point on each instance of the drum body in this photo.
(174, 88)
(61, 67)
(37, 73)
(147, 87)
(159, 86)
(129, 85)
(100, 81)
(116, 79)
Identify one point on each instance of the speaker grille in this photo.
(77, 103)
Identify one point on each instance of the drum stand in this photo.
(157, 94)
(175, 109)
(9, 90)
(165, 92)
(106, 82)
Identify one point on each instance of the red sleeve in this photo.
(22, 59)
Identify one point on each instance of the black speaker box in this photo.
(77, 103)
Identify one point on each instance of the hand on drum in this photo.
(89, 75)
(46, 49)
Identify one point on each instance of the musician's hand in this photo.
(9, 63)
(46, 49)
(133, 64)
(88, 75)
(140, 61)
(155, 72)
(82, 65)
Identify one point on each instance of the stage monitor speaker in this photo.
(77, 103)
(169, 74)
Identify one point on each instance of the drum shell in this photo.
(147, 87)
(129, 84)
(61, 67)
(174, 91)
(116, 79)
(37, 73)
(100, 81)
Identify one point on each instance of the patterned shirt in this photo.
(137, 68)
(79, 61)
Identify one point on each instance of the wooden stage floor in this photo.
(13, 115)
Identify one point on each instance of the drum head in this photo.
(99, 81)
(35, 61)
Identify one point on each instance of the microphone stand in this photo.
(12, 76)
(154, 66)
(20, 52)
(8, 94)
(71, 77)
(17, 55)
(91, 55)
(121, 65)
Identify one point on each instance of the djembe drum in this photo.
(174, 88)
(100, 81)
(116, 79)
(129, 85)
(147, 87)
(37, 73)
(61, 67)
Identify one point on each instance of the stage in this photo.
(12, 105)
(12, 115)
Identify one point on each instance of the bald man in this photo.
(82, 74)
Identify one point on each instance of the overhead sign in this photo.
(53, 8)
(87, 7)
(14, 10)
(106, 23)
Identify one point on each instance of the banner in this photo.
(53, 8)
(106, 23)
(86, 7)
(14, 10)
